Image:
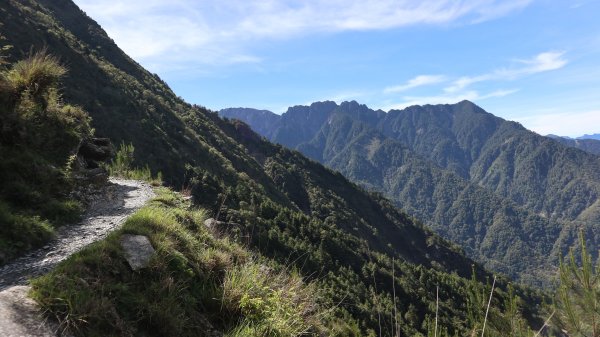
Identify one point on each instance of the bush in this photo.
(122, 166)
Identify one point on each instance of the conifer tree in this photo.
(578, 296)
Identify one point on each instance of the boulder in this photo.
(138, 250)
(210, 222)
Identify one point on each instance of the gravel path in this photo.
(122, 198)
(19, 315)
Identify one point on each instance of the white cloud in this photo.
(447, 98)
(571, 124)
(540, 63)
(165, 32)
(347, 95)
(417, 81)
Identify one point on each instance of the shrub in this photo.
(122, 166)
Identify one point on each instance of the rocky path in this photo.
(18, 315)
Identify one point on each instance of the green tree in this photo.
(578, 296)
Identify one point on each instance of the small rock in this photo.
(210, 222)
(138, 250)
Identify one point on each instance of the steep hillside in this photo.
(370, 147)
(357, 248)
(126, 102)
(40, 142)
(262, 121)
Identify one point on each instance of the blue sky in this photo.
(536, 62)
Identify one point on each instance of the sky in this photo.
(535, 62)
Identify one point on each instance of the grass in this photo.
(33, 202)
(272, 303)
(19, 233)
(195, 279)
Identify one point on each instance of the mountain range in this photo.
(513, 199)
(361, 252)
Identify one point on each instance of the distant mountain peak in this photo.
(592, 136)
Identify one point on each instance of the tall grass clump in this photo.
(271, 303)
(36, 75)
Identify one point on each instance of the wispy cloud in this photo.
(540, 63)
(471, 95)
(417, 81)
(167, 32)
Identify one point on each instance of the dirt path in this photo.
(18, 314)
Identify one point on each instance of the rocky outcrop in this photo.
(94, 150)
(90, 153)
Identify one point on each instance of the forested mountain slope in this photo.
(586, 144)
(356, 246)
(549, 178)
(431, 180)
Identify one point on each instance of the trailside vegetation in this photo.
(39, 134)
(122, 165)
(200, 282)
